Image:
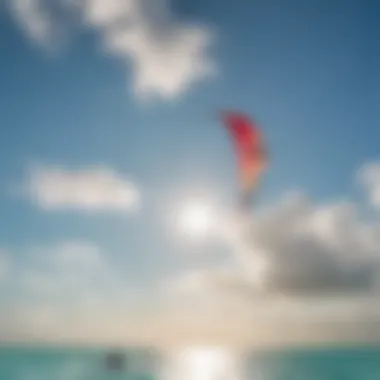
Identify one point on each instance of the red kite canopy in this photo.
(250, 151)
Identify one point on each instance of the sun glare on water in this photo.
(201, 363)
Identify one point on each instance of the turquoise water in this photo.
(359, 363)
(318, 364)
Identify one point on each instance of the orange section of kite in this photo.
(250, 150)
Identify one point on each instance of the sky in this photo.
(110, 130)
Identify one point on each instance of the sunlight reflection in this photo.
(201, 363)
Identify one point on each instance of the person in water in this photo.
(115, 361)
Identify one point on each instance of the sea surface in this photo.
(192, 363)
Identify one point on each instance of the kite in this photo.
(250, 151)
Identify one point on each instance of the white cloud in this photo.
(34, 18)
(167, 56)
(316, 248)
(296, 253)
(304, 270)
(72, 292)
(94, 189)
(311, 249)
(369, 177)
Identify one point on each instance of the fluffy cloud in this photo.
(302, 271)
(316, 249)
(35, 17)
(72, 292)
(369, 177)
(94, 188)
(167, 56)
(295, 249)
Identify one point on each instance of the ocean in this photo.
(39, 363)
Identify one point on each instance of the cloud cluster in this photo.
(296, 248)
(97, 188)
(167, 56)
(297, 261)
(316, 249)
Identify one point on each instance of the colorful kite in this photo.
(250, 151)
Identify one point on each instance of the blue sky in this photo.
(306, 70)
